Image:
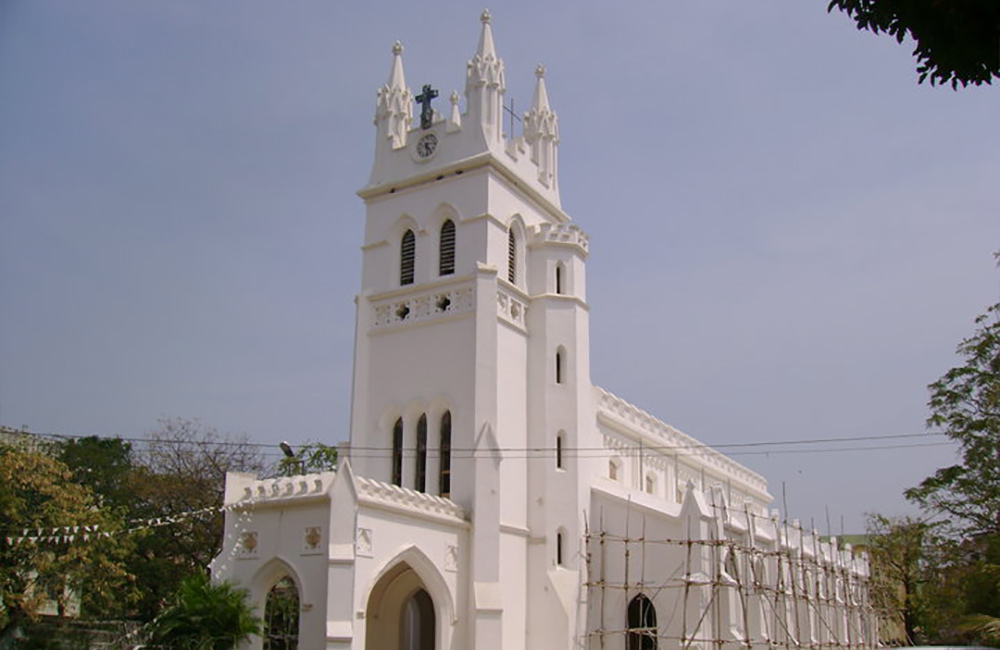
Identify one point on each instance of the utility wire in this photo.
(580, 452)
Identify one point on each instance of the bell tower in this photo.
(472, 368)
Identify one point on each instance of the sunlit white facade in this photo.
(491, 496)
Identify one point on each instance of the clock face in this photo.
(427, 145)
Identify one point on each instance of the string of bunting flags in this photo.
(71, 534)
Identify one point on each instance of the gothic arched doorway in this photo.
(401, 613)
(281, 616)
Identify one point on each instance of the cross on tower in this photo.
(426, 112)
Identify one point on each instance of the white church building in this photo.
(491, 497)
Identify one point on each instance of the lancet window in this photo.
(641, 624)
(397, 452)
(420, 481)
(407, 257)
(446, 253)
(511, 256)
(444, 478)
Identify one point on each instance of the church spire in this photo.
(485, 85)
(541, 131)
(394, 109)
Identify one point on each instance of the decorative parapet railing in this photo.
(564, 233)
(244, 489)
(436, 302)
(406, 499)
(512, 308)
(670, 440)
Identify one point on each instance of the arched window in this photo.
(641, 624)
(560, 365)
(397, 452)
(420, 482)
(444, 479)
(612, 470)
(446, 253)
(560, 271)
(650, 483)
(281, 616)
(560, 540)
(417, 622)
(559, 450)
(407, 257)
(511, 256)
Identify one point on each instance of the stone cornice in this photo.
(615, 410)
(483, 160)
(409, 501)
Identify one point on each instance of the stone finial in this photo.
(539, 71)
(455, 117)
(394, 111)
(485, 16)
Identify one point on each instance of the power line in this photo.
(545, 452)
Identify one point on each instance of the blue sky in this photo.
(789, 236)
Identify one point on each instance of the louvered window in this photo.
(407, 255)
(511, 256)
(397, 452)
(420, 483)
(446, 266)
(444, 484)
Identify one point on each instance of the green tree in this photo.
(182, 469)
(37, 564)
(205, 616)
(105, 465)
(310, 457)
(898, 553)
(965, 403)
(957, 41)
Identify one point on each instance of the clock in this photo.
(426, 145)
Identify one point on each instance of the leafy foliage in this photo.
(180, 469)
(965, 402)
(957, 41)
(899, 557)
(205, 616)
(281, 616)
(36, 492)
(310, 457)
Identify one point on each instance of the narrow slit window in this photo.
(397, 452)
(420, 481)
(559, 366)
(444, 480)
(407, 257)
(446, 263)
(511, 256)
(559, 548)
(559, 451)
(559, 278)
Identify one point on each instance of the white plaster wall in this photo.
(422, 543)
(511, 428)
(413, 370)
(281, 551)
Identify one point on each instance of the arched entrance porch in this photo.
(401, 615)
